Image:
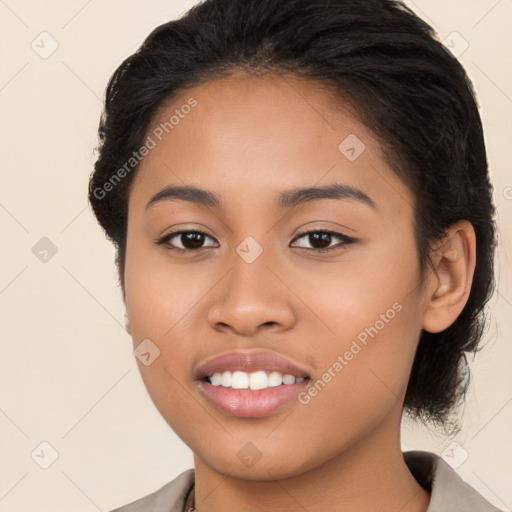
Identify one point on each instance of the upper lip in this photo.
(249, 362)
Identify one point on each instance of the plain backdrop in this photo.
(68, 378)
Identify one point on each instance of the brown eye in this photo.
(321, 240)
(185, 240)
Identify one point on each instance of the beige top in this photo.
(449, 493)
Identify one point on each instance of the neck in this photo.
(370, 474)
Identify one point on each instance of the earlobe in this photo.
(454, 265)
(127, 323)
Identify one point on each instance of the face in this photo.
(327, 281)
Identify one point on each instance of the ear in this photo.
(127, 323)
(450, 282)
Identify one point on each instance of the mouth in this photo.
(250, 384)
(261, 379)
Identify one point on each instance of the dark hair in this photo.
(403, 84)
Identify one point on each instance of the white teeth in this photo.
(216, 379)
(275, 379)
(226, 380)
(253, 381)
(288, 379)
(258, 380)
(239, 380)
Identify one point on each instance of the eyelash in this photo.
(346, 240)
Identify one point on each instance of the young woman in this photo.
(299, 198)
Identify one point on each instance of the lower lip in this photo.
(245, 403)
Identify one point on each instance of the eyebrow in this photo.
(287, 199)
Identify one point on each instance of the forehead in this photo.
(260, 133)
(255, 111)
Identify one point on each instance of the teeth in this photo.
(239, 380)
(226, 380)
(253, 381)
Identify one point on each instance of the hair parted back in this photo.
(388, 64)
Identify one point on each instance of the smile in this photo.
(254, 381)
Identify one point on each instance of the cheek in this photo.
(159, 295)
(157, 304)
(363, 379)
(371, 361)
(374, 291)
(374, 310)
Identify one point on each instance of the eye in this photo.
(189, 240)
(323, 238)
(193, 240)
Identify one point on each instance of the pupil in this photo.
(324, 239)
(192, 240)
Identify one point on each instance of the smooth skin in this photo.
(247, 140)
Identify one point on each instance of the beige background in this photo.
(67, 373)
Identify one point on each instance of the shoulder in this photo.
(448, 490)
(169, 498)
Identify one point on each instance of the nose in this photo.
(251, 298)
